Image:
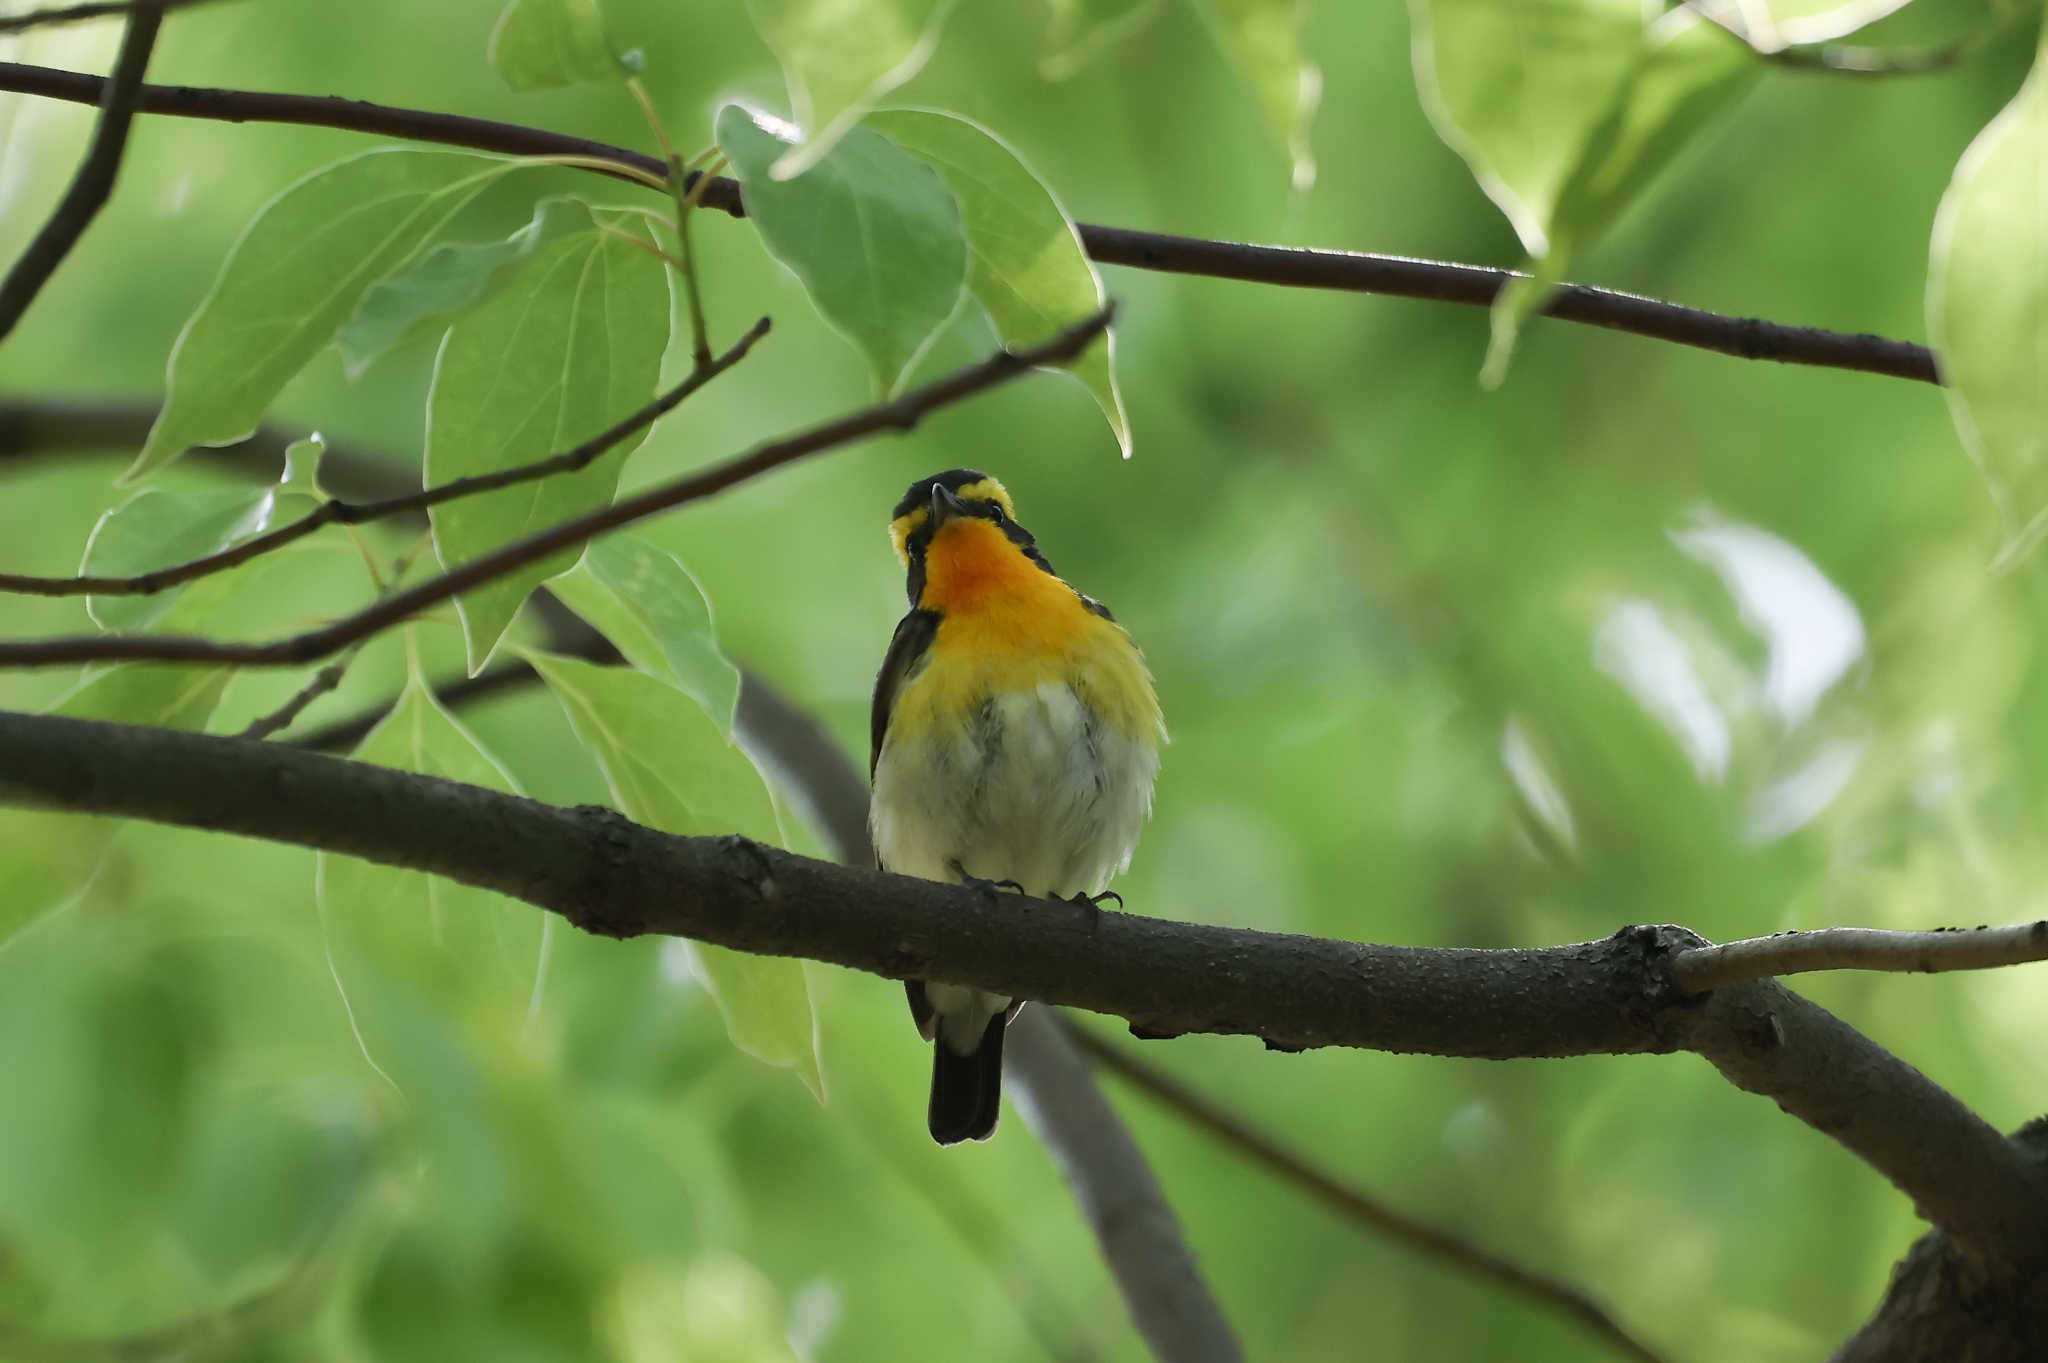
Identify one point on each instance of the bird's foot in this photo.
(1092, 904)
(989, 889)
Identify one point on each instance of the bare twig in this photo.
(338, 512)
(1355, 272)
(1436, 1242)
(611, 876)
(94, 182)
(75, 14)
(1795, 953)
(1120, 1198)
(898, 414)
(322, 682)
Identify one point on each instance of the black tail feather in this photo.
(967, 1090)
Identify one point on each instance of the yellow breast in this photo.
(1008, 625)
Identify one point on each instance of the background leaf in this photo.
(840, 58)
(469, 947)
(645, 601)
(1025, 262)
(569, 345)
(294, 278)
(1262, 40)
(669, 767)
(1987, 306)
(874, 234)
(1077, 31)
(542, 44)
(1565, 110)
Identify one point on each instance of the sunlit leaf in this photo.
(443, 283)
(873, 232)
(839, 58)
(1262, 39)
(669, 767)
(645, 601)
(407, 925)
(1565, 110)
(721, 1309)
(1080, 30)
(294, 278)
(567, 346)
(1987, 306)
(1025, 262)
(541, 44)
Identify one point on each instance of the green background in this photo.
(1354, 573)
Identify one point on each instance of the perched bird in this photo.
(1016, 735)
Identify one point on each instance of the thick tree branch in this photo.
(899, 414)
(340, 512)
(1433, 1241)
(611, 876)
(1795, 953)
(1355, 272)
(94, 182)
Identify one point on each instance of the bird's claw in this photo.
(987, 888)
(1092, 903)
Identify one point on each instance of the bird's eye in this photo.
(995, 513)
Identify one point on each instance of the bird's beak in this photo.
(945, 505)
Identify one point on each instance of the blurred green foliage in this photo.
(1646, 634)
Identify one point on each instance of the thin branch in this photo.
(338, 512)
(343, 734)
(1354, 272)
(34, 427)
(75, 14)
(94, 182)
(282, 718)
(611, 876)
(1120, 1198)
(1427, 1238)
(898, 414)
(1796, 953)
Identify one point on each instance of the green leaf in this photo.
(1987, 307)
(301, 473)
(167, 695)
(444, 283)
(1565, 110)
(1080, 30)
(156, 529)
(408, 925)
(670, 768)
(1262, 39)
(294, 278)
(645, 601)
(1025, 263)
(839, 59)
(542, 44)
(568, 346)
(874, 234)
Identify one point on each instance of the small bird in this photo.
(1016, 734)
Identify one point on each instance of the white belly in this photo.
(1032, 788)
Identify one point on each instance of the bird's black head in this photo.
(932, 502)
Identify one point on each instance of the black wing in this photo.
(914, 634)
